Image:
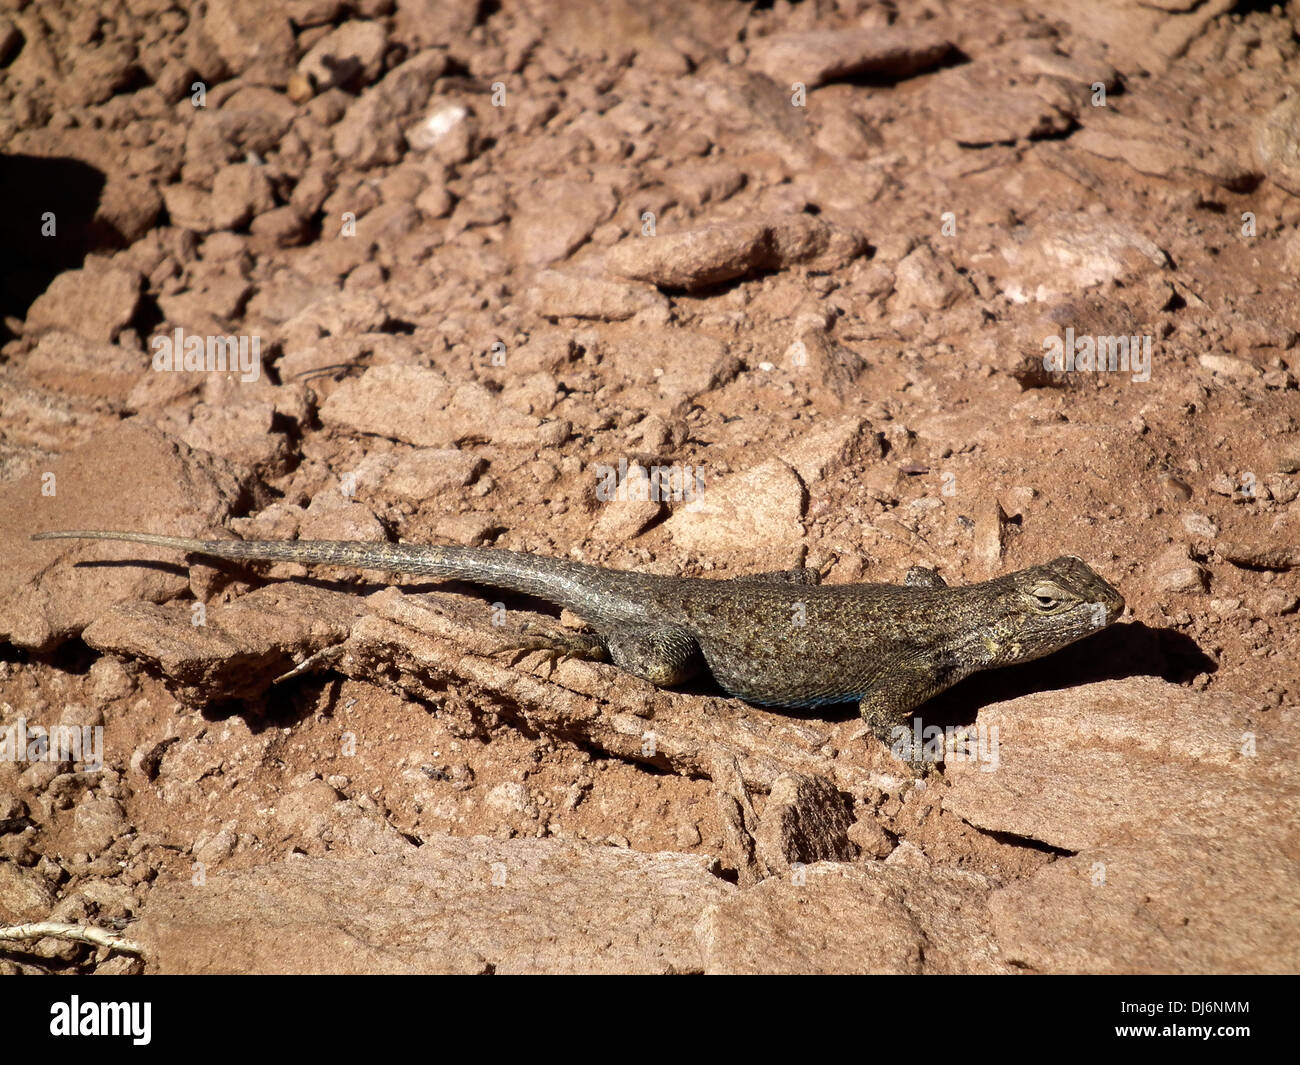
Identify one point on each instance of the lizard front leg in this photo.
(891, 700)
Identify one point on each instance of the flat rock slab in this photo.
(1075, 253)
(1080, 768)
(477, 905)
(1138, 35)
(820, 56)
(767, 502)
(1173, 903)
(1277, 144)
(1190, 856)
(902, 915)
(454, 905)
(417, 406)
(240, 648)
(700, 258)
(560, 294)
(173, 490)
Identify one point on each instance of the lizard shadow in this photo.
(1131, 649)
(180, 569)
(1122, 650)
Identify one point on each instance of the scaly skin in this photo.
(777, 639)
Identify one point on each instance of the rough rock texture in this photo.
(766, 501)
(1116, 759)
(418, 407)
(805, 820)
(706, 257)
(1143, 785)
(828, 55)
(183, 493)
(455, 905)
(1132, 908)
(696, 287)
(478, 906)
(897, 916)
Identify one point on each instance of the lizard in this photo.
(779, 639)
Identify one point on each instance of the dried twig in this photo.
(88, 934)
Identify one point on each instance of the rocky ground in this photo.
(809, 257)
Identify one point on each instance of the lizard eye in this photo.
(1047, 596)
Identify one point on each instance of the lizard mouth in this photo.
(1111, 601)
(1102, 597)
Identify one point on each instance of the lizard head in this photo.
(1052, 605)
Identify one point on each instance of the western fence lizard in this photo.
(776, 639)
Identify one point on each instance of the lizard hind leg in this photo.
(664, 656)
(557, 645)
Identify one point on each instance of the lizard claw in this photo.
(555, 645)
(915, 758)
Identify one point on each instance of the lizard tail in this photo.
(390, 558)
(568, 584)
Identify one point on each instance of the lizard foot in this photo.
(556, 645)
(915, 758)
(887, 723)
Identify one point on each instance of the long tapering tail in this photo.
(568, 584)
(390, 558)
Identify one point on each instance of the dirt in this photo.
(808, 258)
